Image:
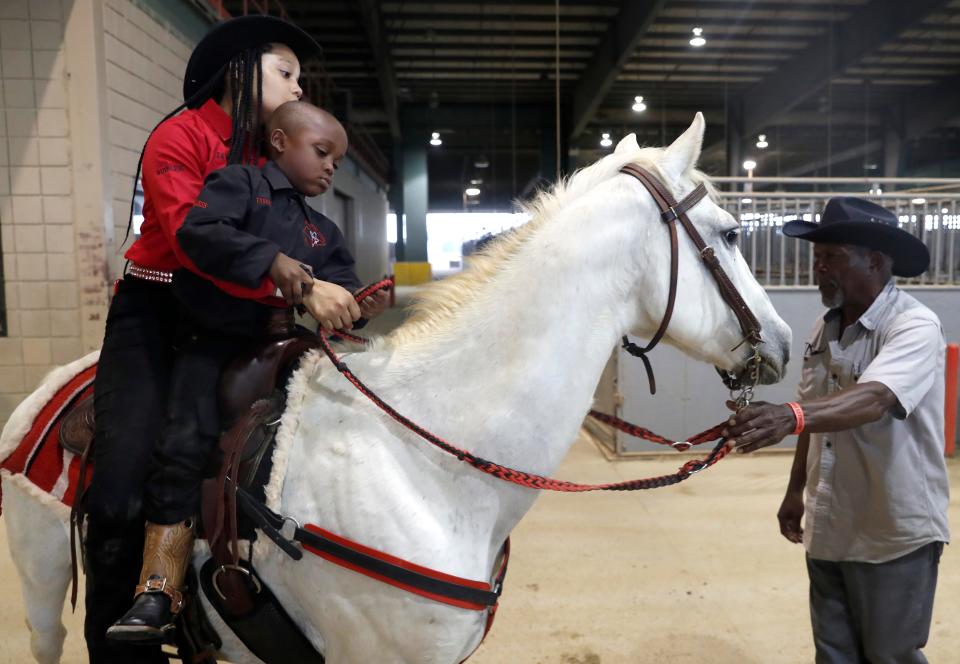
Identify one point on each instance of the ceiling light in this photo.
(435, 138)
(472, 191)
(762, 141)
(482, 162)
(876, 190)
(605, 141)
(476, 181)
(746, 200)
(749, 165)
(698, 38)
(918, 201)
(638, 104)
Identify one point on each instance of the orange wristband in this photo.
(798, 414)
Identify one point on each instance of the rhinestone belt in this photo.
(148, 274)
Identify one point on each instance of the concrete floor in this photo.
(695, 573)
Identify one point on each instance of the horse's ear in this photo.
(628, 142)
(683, 153)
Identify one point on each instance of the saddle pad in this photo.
(39, 456)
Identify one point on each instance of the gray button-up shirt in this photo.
(878, 491)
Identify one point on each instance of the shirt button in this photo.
(828, 444)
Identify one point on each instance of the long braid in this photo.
(238, 76)
(246, 70)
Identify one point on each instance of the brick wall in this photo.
(145, 60)
(56, 271)
(36, 211)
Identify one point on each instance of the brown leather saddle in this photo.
(251, 376)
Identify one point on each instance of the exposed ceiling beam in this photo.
(868, 28)
(835, 158)
(373, 26)
(804, 75)
(624, 33)
(928, 109)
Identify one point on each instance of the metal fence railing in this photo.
(925, 208)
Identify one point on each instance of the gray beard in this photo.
(834, 302)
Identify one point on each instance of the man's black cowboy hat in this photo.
(850, 220)
(226, 39)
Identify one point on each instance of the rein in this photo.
(671, 212)
(520, 477)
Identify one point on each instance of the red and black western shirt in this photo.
(243, 217)
(178, 157)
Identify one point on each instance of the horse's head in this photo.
(703, 324)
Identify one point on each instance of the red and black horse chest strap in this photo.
(423, 581)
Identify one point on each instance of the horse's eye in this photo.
(731, 236)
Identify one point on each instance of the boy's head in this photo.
(307, 144)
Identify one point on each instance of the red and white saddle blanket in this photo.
(30, 450)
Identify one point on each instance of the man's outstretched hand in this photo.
(758, 425)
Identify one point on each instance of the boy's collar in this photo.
(277, 178)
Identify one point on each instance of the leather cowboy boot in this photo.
(159, 597)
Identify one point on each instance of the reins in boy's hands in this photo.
(293, 278)
(333, 306)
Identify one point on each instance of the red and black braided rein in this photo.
(531, 480)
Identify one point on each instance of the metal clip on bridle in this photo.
(733, 382)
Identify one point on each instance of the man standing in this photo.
(870, 448)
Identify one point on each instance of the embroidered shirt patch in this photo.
(312, 237)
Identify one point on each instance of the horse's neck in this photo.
(513, 373)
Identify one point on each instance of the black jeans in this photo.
(188, 443)
(130, 398)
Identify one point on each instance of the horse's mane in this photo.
(440, 299)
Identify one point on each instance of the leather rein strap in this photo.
(671, 212)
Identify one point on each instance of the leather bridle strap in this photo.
(670, 212)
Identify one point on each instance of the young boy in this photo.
(248, 222)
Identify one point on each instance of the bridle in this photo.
(671, 212)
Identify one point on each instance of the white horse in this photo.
(502, 359)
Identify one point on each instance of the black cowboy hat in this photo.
(850, 220)
(226, 39)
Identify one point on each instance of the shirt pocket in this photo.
(813, 379)
(843, 373)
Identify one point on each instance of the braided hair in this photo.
(239, 76)
(244, 80)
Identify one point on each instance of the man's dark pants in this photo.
(130, 399)
(873, 612)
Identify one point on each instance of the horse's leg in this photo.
(40, 548)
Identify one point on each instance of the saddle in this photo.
(248, 378)
(252, 399)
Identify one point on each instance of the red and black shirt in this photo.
(244, 216)
(179, 156)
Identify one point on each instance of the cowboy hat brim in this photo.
(228, 38)
(910, 255)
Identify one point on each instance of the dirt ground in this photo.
(695, 573)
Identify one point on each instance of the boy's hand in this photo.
(333, 306)
(374, 304)
(291, 277)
